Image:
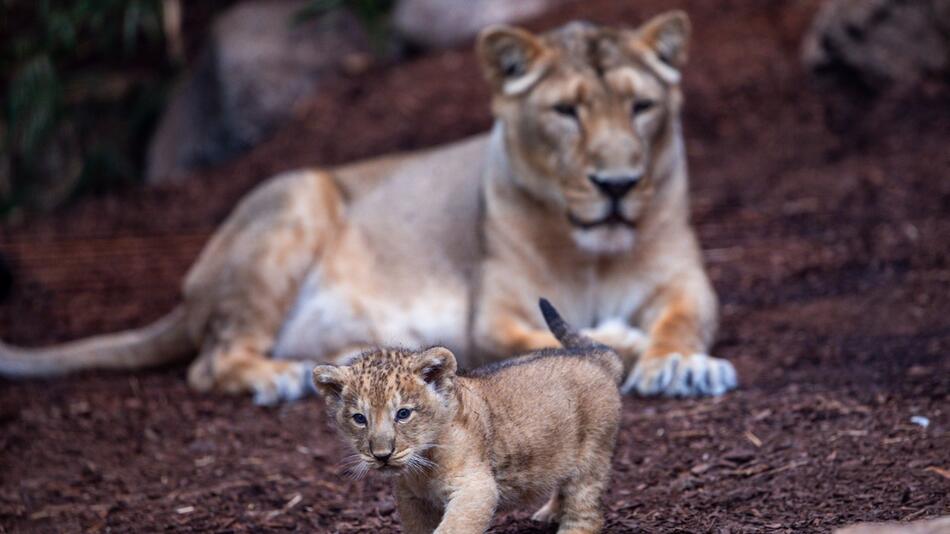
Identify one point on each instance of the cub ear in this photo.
(512, 59)
(663, 42)
(436, 366)
(329, 380)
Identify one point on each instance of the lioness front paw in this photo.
(679, 376)
(291, 382)
(619, 336)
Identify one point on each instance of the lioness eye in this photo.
(403, 414)
(642, 105)
(359, 419)
(568, 110)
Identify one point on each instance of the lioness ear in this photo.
(512, 59)
(663, 42)
(329, 380)
(436, 366)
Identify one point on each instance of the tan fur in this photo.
(454, 245)
(476, 443)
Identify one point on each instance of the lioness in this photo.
(464, 445)
(579, 192)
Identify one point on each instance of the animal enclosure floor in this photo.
(826, 228)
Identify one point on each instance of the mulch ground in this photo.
(827, 240)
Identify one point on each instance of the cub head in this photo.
(590, 118)
(391, 405)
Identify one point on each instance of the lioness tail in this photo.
(164, 341)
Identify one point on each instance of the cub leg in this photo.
(551, 511)
(246, 279)
(472, 504)
(675, 362)
(581, 497)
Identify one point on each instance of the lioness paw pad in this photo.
(679, 376)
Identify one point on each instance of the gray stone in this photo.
(257, 66)
(446, 23)
(879, 43)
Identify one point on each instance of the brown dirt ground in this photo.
(830, 248)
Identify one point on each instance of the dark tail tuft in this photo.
(605, 356)
(565, 333)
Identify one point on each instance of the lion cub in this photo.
(463, 446)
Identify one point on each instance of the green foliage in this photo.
(33, 104)
(83, 83)
(72, 73)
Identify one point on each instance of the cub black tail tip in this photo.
(572, 339)
(550, 314)
(558, 326)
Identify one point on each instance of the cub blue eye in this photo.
(403, 414)
(359, 418)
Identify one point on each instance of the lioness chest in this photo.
(401, 270)
(404, 267)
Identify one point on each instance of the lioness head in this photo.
(390, 405)
(590, 118)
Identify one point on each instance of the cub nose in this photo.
(614, 187)
(382, 457)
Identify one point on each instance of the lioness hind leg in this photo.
(244, 283)
(241, 367)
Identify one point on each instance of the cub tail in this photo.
(164, 341)
(573, 340)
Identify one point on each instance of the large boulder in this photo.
(876, 44)
(446, 23)
(259, 62)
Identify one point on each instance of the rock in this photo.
(446, 23)
(926, 526)
(258, 64)
(879, 43)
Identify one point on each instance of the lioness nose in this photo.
(615, 186)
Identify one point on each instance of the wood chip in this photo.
(700, 469)
(294, 501)
(753, 438)
(945, 473)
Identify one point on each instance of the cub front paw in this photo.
(548, 513)
(681, 376)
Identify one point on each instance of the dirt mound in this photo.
(829, 249)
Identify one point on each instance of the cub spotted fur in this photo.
(579, 192)
(461, 446)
